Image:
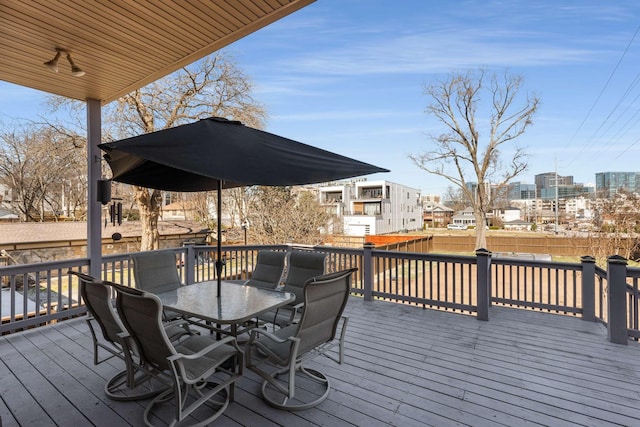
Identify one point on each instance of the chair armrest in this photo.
(177, 322)
(255, 333)
(250, 355)
(176, 329)
(205, 350)
(292, 309)
(126, 341)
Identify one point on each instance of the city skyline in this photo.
(349, 77)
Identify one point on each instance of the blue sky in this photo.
(349, 76)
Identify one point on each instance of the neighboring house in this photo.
(508, 214)
(5, 193)
(436, 215)
(381, 207)
(5, 205)
(178, 211)
(464, 217)
(6, 216)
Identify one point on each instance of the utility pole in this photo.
(556, 183)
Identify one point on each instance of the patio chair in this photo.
(303, 266)
(291, 347)
(186, 365)
(156, 272)
(133, 382)
(268, 269)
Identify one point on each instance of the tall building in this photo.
(609, 183)
(546, 182)
(521, 191)
(546, 187)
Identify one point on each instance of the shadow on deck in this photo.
(404, 366)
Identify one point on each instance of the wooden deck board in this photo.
(404, 366)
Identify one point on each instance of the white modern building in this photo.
(373, 207)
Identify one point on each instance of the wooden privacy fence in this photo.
(538, 244)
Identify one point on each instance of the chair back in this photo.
(97, 297)
(268, 270)
(141, 313)
(303, 266)
(325, 299)
(155, 271)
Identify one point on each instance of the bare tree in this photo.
(45, 171)
(279, 214)
(213, 86)
(455, 198)
(459, 154)
(616, 227)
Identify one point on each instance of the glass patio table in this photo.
(238, 305)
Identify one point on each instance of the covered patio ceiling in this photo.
(121, 45)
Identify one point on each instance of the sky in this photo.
(349, 76)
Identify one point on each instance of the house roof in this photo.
(4, 214)
(121, 45)
(440, 208)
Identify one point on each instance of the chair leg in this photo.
(189, 397)
(126, 386)
(284, 397)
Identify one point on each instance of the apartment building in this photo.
(609, 183)
(373, 207)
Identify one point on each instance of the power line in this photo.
(600, 95)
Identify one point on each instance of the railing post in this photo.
(617, 299)
(483, 295)
(367, 271)
(190, 265)
(588, 288)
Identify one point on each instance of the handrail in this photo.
(446, 282)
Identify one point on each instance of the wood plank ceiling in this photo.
(120, 44)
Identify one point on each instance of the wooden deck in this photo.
(405, 366)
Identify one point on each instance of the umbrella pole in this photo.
(219, 260)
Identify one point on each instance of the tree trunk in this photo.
(481, 231)
(149, 204)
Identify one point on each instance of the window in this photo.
(372, 208)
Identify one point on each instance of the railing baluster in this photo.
(428, 280)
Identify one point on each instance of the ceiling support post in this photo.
(94, 171)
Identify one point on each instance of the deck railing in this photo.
(464, 284)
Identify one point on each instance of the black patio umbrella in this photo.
(215, 153)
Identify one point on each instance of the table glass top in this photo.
(237, 304)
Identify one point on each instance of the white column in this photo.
(94, 208)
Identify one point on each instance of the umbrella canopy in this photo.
(216, 153)
(194, 157)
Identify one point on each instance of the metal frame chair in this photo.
(290, 347)
(155, 272)
(133, 382)
(268, 270)
(302, 266)
(186, 365)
